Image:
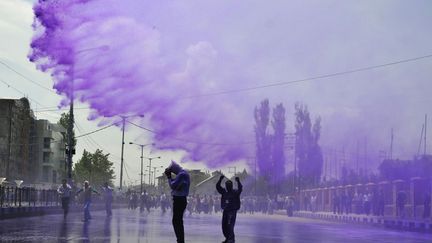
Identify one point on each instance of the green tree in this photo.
(64, 121)
(94, 167)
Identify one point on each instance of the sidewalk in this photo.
(408, 224)
(16, 212)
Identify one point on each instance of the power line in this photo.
(356, 70)
(25, 95)
(193, 142)
(19, 91)
(95, 131)
(62, 109)
(26, 78)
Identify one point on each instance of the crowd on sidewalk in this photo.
(368, 203)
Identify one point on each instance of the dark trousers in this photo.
(228, 223)
(108, 207)
(65, 205)
(179, 206)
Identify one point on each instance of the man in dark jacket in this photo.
(230, 203)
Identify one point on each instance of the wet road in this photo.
(131, 226)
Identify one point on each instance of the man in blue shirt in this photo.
(108, 196)
(179, 191)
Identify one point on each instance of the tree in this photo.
(308, 151)
(278, 142)
(64, 121)
(94, 167)
(263, 140)
(316, 157)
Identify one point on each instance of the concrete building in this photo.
(30, 150)
(49, 152)
(15, 138)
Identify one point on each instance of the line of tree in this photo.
(270, 147)
(270, 154)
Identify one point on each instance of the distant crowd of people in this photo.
(368, 203)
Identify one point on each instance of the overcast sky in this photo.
(282, 41)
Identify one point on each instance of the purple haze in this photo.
(162, 50)
(121, 65)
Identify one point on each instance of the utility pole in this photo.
(255, 159)
(425, 135)
(391, 144)
(154, 173)
(357, 157)
(150, 161)
(71, 122)
(141, 174)
(122, 152)
(366, 158)
(142, 160)
(421, 140)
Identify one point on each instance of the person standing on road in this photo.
(65, 191)
(108, 197)
(179, 191)
(87, 191)
(230, 203)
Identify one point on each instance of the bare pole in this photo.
(142, 157)
(122, 152)
(391, 144)
(425, 135)
(357, 157)
(421, 140)
(150, 160)
(70, 128)
(365, 157)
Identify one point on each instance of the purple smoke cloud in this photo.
(121, 65)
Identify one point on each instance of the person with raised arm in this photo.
(230, 203)
(87, 190)
(179, 191)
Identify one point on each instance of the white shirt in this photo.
(65, 191)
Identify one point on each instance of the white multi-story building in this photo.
(50, 152)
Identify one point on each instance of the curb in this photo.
(408, 224)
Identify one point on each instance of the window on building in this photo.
(47, 143)
(54, 178)
(45, 173)
(46, 157)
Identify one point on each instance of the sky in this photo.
(255, 43)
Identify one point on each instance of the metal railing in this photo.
(27, 197)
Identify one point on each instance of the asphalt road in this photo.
(155, 227)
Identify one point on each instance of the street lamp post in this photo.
(154, 174)
(122, 147)
(142, 157)
(150, 161)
